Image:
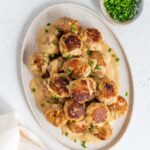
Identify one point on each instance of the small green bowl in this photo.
(115, 22)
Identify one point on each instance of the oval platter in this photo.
(88, 18)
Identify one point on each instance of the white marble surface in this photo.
(15, 17)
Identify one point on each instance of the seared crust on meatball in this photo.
(70, 45)
(55, 115)
(78, 126)
(65, 25)
(82, 90)
(38, 63)
(97, 113)
(106, 90)
(57, 85)
(103, 133)
(76, 68)
(92, 39)
(74, 110)
(118, 109)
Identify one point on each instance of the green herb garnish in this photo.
(89, 52)
(83, 144)
(66, 134)
(55, 97)
(58, 30)
(46, 30)
(33, 90)
(69, 71)
(122, 10)
(69, 57)
(48, 24)
(75, 140)
(113, 55)
(90, 63)
(98, 67)
(109, 50)
(51, 56)
(73, 28)
(117, 59)
(126, 93)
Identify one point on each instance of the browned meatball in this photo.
(38, 63)
(82, 90)
(70, 45)
(65, 25)
(58, 85)
(78, 126)
(100, 66)
(74, 110)
(106, 90)
(92, 39)
(118, 109)
(77, 68)
(97, 113)
(55, 115)
(103, 133)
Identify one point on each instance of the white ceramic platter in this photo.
(87, 18)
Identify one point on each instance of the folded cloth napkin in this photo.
(16, 137)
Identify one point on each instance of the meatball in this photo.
(100, 67)
(56, 115)
(103, 133)
(70, 45)
(65, 25)
(55, 65)
(78, 126)
(74, 110)
(57, 85)
(97, 113)
(118, 109)
(92, 39)
(82, 90)
(38, 63)
(106, 90)
(76, 68)
(48, 41)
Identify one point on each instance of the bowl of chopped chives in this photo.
(121, 11)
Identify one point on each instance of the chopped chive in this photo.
(83, 144)
(122, 10)
(126, 93)
(73, 28)
(58, 30)
(109, 50)
(33, 90)
(69, 71)
(51, 56)
(89, 52)
(117, 59)
(113, 55)
(90, 63)
(48, 24)
(98, 67)
(46, 30)
(68, 57)
(66, 134)
(55, 97)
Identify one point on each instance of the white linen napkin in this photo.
(16, 137)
